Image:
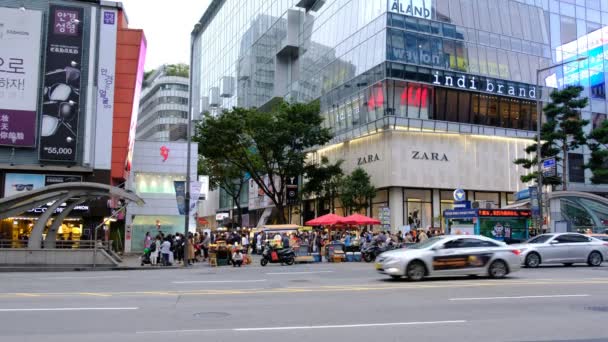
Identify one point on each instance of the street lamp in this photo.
(193, 34)
(539, 116)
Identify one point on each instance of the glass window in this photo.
(411, 23)
(567, 29)
(397, 20)
(475, 110)
(515, 120)
(449, 51)
(458, 243)
(439, 106)
(452, 106)
(411, 47)
(424, 49)
(576, 168)
(435, 28)
(492, 118)
(436, 48)
(504, 112)
(464, 107)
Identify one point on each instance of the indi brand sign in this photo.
(485, 84)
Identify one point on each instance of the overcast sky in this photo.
(167, 26)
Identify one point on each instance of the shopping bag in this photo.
(274, 256)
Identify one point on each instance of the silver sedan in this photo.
(451, 255)
(563, 248)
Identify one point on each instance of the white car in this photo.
(451, 255)
(563, 248)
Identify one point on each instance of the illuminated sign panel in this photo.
(504, 213)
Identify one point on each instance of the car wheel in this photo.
(595, 259)
(533, 260)
(498, 269)
(263, 262)
(395, 277)
(415, 271)
(568, 264)
(290, 261)
(368, 257)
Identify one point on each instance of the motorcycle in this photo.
(275, 256)
(371, 251)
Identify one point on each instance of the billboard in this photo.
(106, 74)
(19, 69)
(61, 98)
(17, 183)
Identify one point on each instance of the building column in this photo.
(395, 203)
(436, 208)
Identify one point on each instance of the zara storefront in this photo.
(417, 172)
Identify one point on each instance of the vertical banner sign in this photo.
(105, 85)
(61, 99)
(19, 67)
(180, 196)
(534, 204)
(204, 180)
(195, 192)
(292, 190)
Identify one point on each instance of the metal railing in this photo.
(60, 244)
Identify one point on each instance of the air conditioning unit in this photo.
(483, 205)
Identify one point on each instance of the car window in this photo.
(480, 243)
(426, 243)
(571, 238)
(458, 243)
(540, 239)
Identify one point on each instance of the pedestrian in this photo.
(237, 258)
(258, 243)
(422, 236)
(245, 243)
(191, 253)
(205, 246)
(165, 250)
(155, 251)
(285, 241)
(147, 240)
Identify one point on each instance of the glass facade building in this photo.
(408, 70)
(163, 108)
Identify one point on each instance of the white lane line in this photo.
(304, 327)
(69, 309)
(288, 273)
(218, 281)
(520, 297)
(72, 278)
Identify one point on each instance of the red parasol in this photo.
(360, 220)
(326, 220)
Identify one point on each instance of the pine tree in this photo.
(598, 163)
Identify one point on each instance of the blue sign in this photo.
(460, 195)
(180, 195)
(548, 163)
(462, 205)
(469, 213)
(534, 204)
(522, 194)
(549, 167)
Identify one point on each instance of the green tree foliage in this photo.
(598, 163)
(356, 191)
(323, 181)
(181, 70)
(226, 176)
(272, 144)
(562, 132)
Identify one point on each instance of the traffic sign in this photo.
(549, 167)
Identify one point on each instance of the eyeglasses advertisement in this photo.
(61, 97)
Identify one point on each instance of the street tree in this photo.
(356, 191)
(269, 146)
(225, 176)
(598, 163)
(323, 181)
(563, 132)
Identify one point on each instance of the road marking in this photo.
(304, 327)
(333, 288)
(95, 294)
(288, 273)
(521, 297)
(79, 278)
(217, 281)
(68, 309)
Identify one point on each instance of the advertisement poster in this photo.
(17, 183)
(180, 196)
(61, 94)
(58, 179)
(195, 193)
(204, 180)
(19, 67)
(105, 83)
(292, 190)
(500, 228)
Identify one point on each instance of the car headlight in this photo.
(380, 259)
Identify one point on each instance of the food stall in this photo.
(508, 225)
(302, 251)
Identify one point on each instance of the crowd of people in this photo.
(169, 249)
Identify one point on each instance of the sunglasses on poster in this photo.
(21, 187)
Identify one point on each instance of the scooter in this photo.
(371, 251)
(275, 256)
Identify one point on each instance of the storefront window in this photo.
(493, 197)
(418, 208)
(447, 203)
(156, 183)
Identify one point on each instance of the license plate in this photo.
(378, 266)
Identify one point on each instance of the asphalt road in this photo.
(320, 302)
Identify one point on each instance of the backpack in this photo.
(153, 246)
